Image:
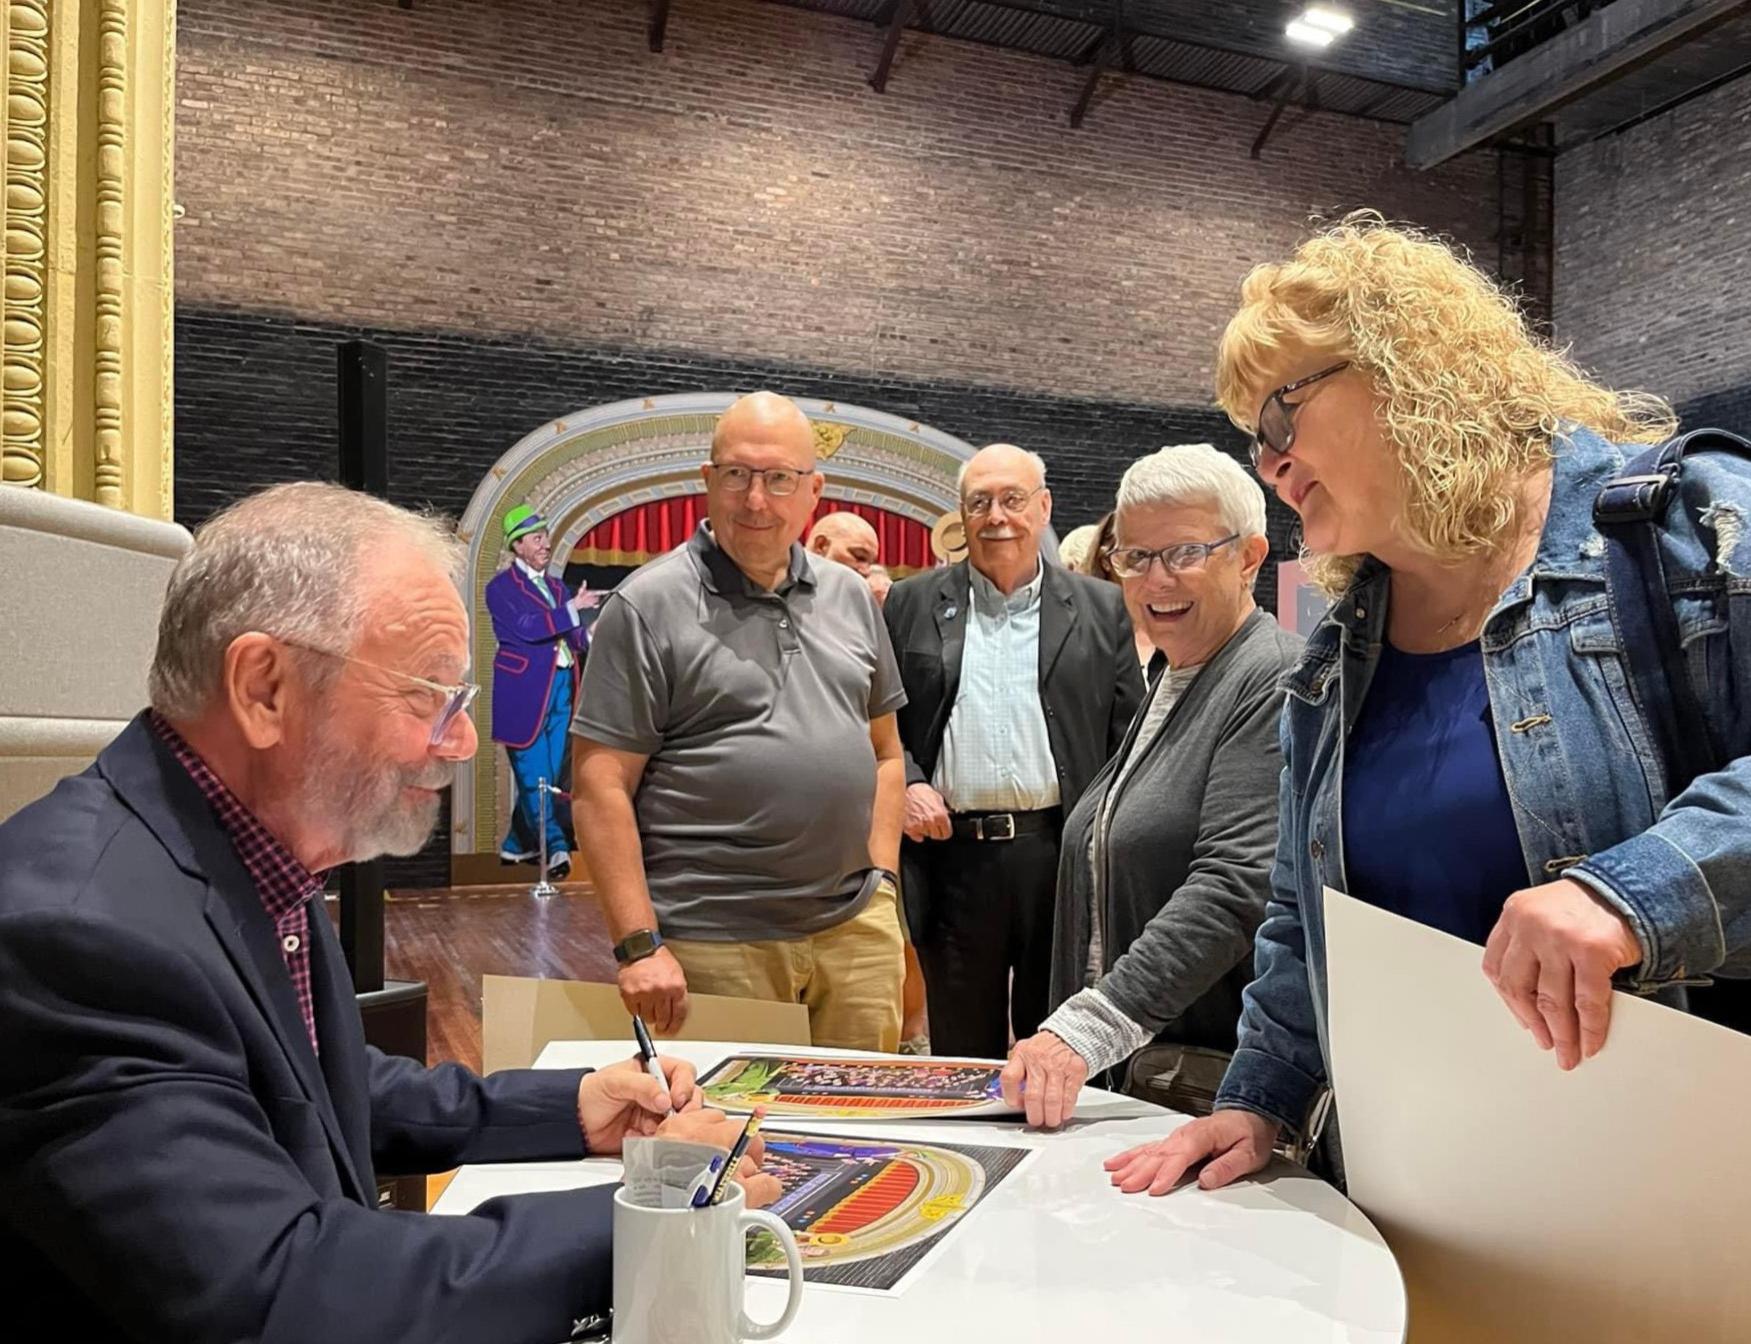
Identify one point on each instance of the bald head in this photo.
(761, 485)
(845, 539)
(768, 419)
(1006, 459)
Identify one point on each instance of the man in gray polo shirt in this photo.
(739, 775)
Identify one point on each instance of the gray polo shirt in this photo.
(754, 709)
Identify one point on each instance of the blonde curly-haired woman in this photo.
(1461, 741)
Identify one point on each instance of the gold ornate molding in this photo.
(27, 122)
(112, 146)
(88, 302)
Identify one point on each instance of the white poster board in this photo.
(1609, 1204)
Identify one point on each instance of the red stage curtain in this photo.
(647, 530)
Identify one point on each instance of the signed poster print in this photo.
(868, 1212)
(857, 1089)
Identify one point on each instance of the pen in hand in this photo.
(647, 1053)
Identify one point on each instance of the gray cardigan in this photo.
(1190, 840)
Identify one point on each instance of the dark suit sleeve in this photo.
(135, 1157)
(895, 614)
(425, 1120)
(1127, 685)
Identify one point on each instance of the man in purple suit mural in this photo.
(541, 638)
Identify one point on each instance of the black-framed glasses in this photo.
(1276, 429)
(1014, 500)
(738, 480)
(1133, 562)
(456, 699)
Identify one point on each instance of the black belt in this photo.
(1004, 825)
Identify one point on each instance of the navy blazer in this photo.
(176, 1164)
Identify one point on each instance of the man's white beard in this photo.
(361, 801)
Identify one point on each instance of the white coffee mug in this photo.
(679, 1273)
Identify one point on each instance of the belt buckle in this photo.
(1005, 831)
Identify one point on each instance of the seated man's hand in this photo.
(623, 1101)
(1237, 1143)
(1043, 1077)
(655, 988)
(722, 1131)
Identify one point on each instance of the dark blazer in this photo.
(1089, 682)
(175, 1162)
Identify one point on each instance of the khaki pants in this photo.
(848, 976)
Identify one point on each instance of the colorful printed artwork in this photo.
(857, 1089)
(866, 1212)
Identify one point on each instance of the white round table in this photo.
(1054, 1252)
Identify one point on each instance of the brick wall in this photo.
(530, 167)
(1653, 256)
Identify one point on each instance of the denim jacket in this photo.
(1583, 774)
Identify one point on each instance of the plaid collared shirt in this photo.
(284, 886)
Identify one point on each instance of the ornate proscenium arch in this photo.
(583, 468)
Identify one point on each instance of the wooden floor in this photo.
(452, 936)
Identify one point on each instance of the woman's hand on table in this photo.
(1236, 1144)
(722, 1131)
(1551, 957)
(1043, 1078)
(623, 1101)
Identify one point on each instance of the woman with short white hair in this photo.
(1165, 862)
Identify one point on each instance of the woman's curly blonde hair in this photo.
(1469, 397)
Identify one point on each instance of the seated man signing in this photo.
(738, 779)
(191, 1123)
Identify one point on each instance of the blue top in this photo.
(1428, 829)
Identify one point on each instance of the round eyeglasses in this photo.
(779, 481)
(1133, 562)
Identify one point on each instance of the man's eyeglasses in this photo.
(1013, 500)
(1276, 430)
(455, 699)
(1132, 562)
(780, 481)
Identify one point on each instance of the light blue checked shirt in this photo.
(996, 756)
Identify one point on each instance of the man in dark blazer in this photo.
(1021, 678)
(190, 1120)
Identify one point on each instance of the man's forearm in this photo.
(607, 831)
(889, 815)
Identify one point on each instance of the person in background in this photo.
(537, 623)
(1095, 560)
(738, 781)
(1021, 678)
(849, 540)
(1461, 743)
(191, 1123)
(881, 583)
(1165, 863)
(845, 539)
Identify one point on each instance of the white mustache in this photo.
(998, 534)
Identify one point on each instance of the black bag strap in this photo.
(1629, 513)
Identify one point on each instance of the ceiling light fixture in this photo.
(1334, 21)
(1299, 30)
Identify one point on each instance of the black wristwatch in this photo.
(637, 945)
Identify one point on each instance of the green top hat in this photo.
(521, 521)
